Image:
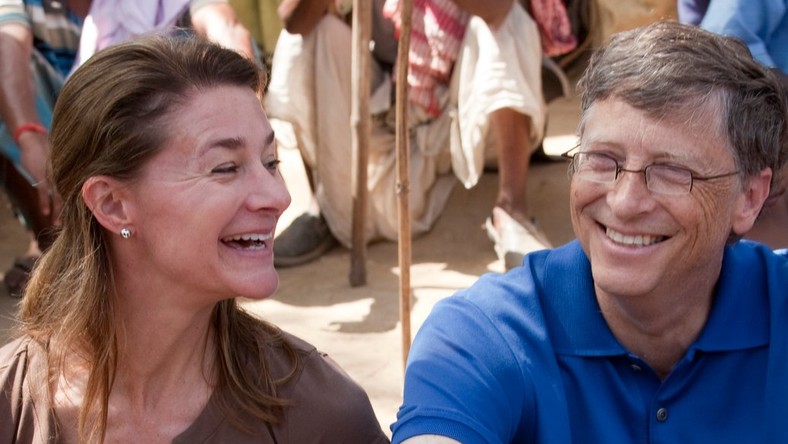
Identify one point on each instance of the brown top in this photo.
(328, 406)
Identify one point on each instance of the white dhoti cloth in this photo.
(311, 90)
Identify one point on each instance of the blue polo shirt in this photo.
(526, 357)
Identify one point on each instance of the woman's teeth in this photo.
(248, 240)
(248, 237)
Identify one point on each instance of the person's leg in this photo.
(310, 90)
(24, 203)
(18, 184)
(510, 225)
(512, 132)
(500, 105)
(24, 200)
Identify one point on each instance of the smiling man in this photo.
(658, 324)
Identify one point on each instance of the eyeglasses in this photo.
(661, 179)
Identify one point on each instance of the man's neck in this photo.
(657, 328)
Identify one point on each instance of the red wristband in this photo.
(30, 126)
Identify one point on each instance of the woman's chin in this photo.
(257, 289)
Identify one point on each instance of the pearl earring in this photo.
(125, 233)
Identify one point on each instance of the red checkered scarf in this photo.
(437, 30)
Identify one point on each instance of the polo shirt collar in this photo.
(738, 320)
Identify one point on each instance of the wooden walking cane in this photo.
(403, 177)
(359, 122)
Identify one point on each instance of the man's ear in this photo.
(749, 205)
(106, 199)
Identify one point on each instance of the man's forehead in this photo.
(616, 125)
(702, 117)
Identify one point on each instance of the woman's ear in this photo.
(749, 205)
(106, 199)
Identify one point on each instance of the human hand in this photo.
(35, 159)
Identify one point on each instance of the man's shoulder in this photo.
(750, 265)
(530, 280)
(516, 306)
(757, 256)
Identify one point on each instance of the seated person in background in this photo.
(41, 42)
(130, 326)
(763, 27)
(475, 81)
(658, 323)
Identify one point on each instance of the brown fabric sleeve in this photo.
(330, 407)
(24, 412)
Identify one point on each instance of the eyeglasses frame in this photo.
(620, 169)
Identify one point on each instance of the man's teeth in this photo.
(248, 238)
(638, 240)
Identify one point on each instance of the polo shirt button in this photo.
(662, 414)
(635, 367)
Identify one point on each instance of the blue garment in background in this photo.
(692, 11)
(762, 25)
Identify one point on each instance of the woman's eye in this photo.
(225, 168)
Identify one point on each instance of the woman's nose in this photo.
(267, 189)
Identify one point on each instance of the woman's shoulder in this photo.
(22, 383)
(321, 391)
(13, 354)
(312, 365)
(20, 360)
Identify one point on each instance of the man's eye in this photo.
(273, 164)
(225, 168)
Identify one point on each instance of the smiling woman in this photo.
(167, 166)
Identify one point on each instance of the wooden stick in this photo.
(360, 122)
(403, 177)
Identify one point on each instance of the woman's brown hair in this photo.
(110, 118)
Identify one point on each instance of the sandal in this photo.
(17, 277)
(514, 240)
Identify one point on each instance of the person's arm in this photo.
(491, 11)
(301, 16)
(219, 23)
(17, 106)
